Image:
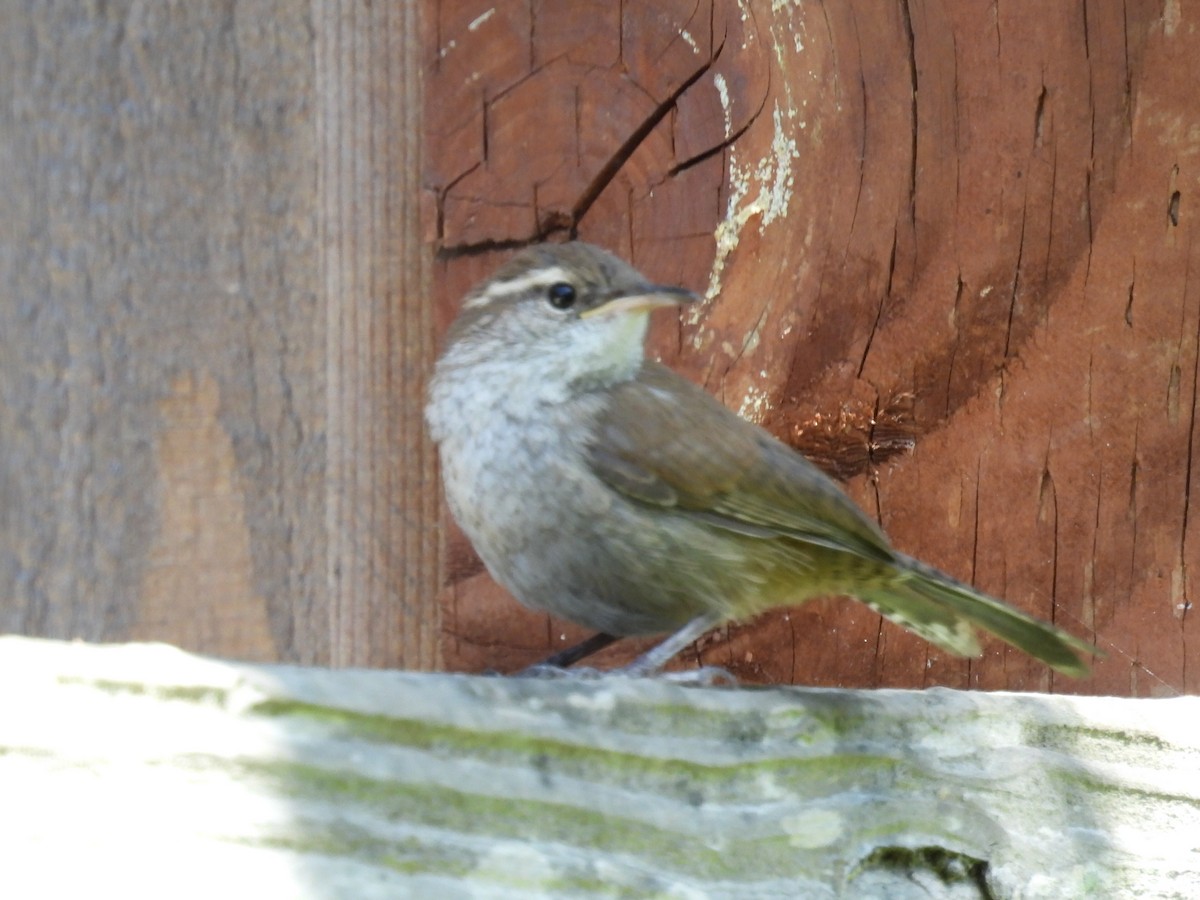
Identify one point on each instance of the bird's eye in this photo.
(561, 295)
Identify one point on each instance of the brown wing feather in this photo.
(700, 457)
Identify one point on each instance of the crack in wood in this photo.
(609, 170)
(887, 292)
(1016, 288)
(1039, 119)
(906, 14)
(1188, 482)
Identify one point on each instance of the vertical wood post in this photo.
(381, 488)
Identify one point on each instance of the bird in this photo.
(601, 486)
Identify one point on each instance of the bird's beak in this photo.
(652, 297)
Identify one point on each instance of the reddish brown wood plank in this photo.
(925, 225)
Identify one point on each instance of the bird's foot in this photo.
(572, 655)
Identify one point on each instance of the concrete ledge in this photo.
(148, 770)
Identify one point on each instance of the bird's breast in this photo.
(516, 477)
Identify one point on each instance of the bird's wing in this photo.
(705, 462)
(702, 459)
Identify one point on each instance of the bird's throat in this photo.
(610, 353)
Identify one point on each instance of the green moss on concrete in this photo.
(1088, 789)
(191, 694)
(408, 855)
(531, 822)
(679, 779)
(1070, 737)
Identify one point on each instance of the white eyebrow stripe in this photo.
(536, 278)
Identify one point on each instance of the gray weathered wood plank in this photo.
(174, 774)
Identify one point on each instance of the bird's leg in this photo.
(564, 658)
(652, 661)
(648, 664)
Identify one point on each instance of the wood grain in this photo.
(215, 338)
(163, 409)
(381, 489)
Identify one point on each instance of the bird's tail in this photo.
(946, 612)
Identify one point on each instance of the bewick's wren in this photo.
(603, 487)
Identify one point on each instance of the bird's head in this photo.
(570, 312)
